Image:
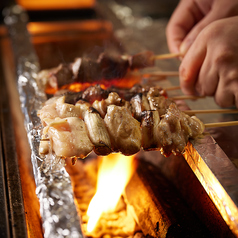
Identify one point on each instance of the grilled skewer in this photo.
(158, 123)
(106, 66)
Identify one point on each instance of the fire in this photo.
(114, 173)
(126, 82)
(55, 4)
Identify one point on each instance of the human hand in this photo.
(191, 16)
(210, 66)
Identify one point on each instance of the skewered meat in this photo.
(113, 99)
(157, 124)
(57, 77)
(93, 93)
(124, 130)
(174, 130)
(98, 133)
(56, 107)
(149, 124)
(112, 66)
(142, 60)
(68, 137)
(107, 66)
(139, 103)
(160, 103)
(89, 71)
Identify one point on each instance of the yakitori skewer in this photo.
(105, 66)
(172, 88)
(221, 124)
(185, 97)
(223, 111)
(161, 74)
(167, 56)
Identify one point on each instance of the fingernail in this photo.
(185, 46)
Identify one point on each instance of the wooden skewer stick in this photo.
(189, 112)
(221, 124)
(161, 74)
(184, 97)
(172, 88)
(167, 56)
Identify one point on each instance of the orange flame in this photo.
(55, 4)
(114, 173)
(126, 82)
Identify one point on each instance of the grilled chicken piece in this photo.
(112, 66)
(93, 93)
(97, 131)
(72, 97)
(56, 77)
(156, 92)
(67, 110)
(139, 103)
(149, 124)
(175, 129)
(159, 103)
(56, 107)
(48, 110)
(113, 99)
(124, 130)
(83, 106)
(142, 60)
(89, 70)
(68, 137)
(44, 146)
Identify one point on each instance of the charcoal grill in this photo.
(194, 195)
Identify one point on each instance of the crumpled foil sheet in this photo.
(53, 185)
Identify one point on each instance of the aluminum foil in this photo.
(53, 185)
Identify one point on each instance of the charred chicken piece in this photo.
(93, 93)
(149, 124)
(142, 60)
(124, 130)
(139, 103)
(72, 97)
(156, 92)
(112, 66)
(57, 77)
(89, 71)
(159, 103)
(175, 129)
(68, 137)
(97, 131)
(113, 99)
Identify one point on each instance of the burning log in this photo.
(158, 207)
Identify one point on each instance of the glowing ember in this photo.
(126, 82)
(114, 173)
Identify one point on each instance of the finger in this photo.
(186, 15)
(190, 66)
(192, 35)
(208, 77)
(227, 91)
